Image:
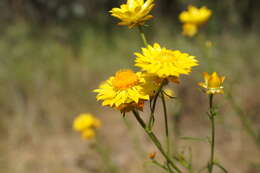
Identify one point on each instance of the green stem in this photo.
(153, 104)
(166, 124)
(159, 164)
(155, 140)
(221, 167)
(212, 120)
(141, 31)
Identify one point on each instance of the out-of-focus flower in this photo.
(134, 12)
(86, 123)
(193, 18)
(152, 155)
(164, 63)
(124, 91)
(212, 83)
(195, 15)
(189, 29)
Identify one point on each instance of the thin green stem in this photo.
(155, 140)
(166, 124)
(153, 105)
(212, 120)
(169, 168)
(159, 164)
(221, 167)
(141, 31)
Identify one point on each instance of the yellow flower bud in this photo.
(212, 83)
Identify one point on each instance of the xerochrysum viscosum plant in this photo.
(212, 85)
(129, 91)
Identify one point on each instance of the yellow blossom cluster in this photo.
(86, 124)
(127, 90)
(193, 18)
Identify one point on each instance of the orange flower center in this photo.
(125, 79)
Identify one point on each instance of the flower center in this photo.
(165, 57)
(125, 79)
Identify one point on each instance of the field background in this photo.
(54, 53)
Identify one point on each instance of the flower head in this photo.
(212, 83)
(195, 15)
(124, 91)
(86, 123)
(134, 12)
(189, 29)
(164, 63)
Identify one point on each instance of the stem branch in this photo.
(155, 140)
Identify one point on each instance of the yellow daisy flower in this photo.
(124, 91)
(134, 12)
(195, 15)
(212, 83)
(164, 63)
(189, 29)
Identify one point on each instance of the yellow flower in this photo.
(124, 91)
(83, 121)
(189, 29)
(88, 134)
(195, 15)
(134, 12)
(213, 83)
(86, 123)
(164, 63)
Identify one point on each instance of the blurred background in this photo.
(53, 53)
